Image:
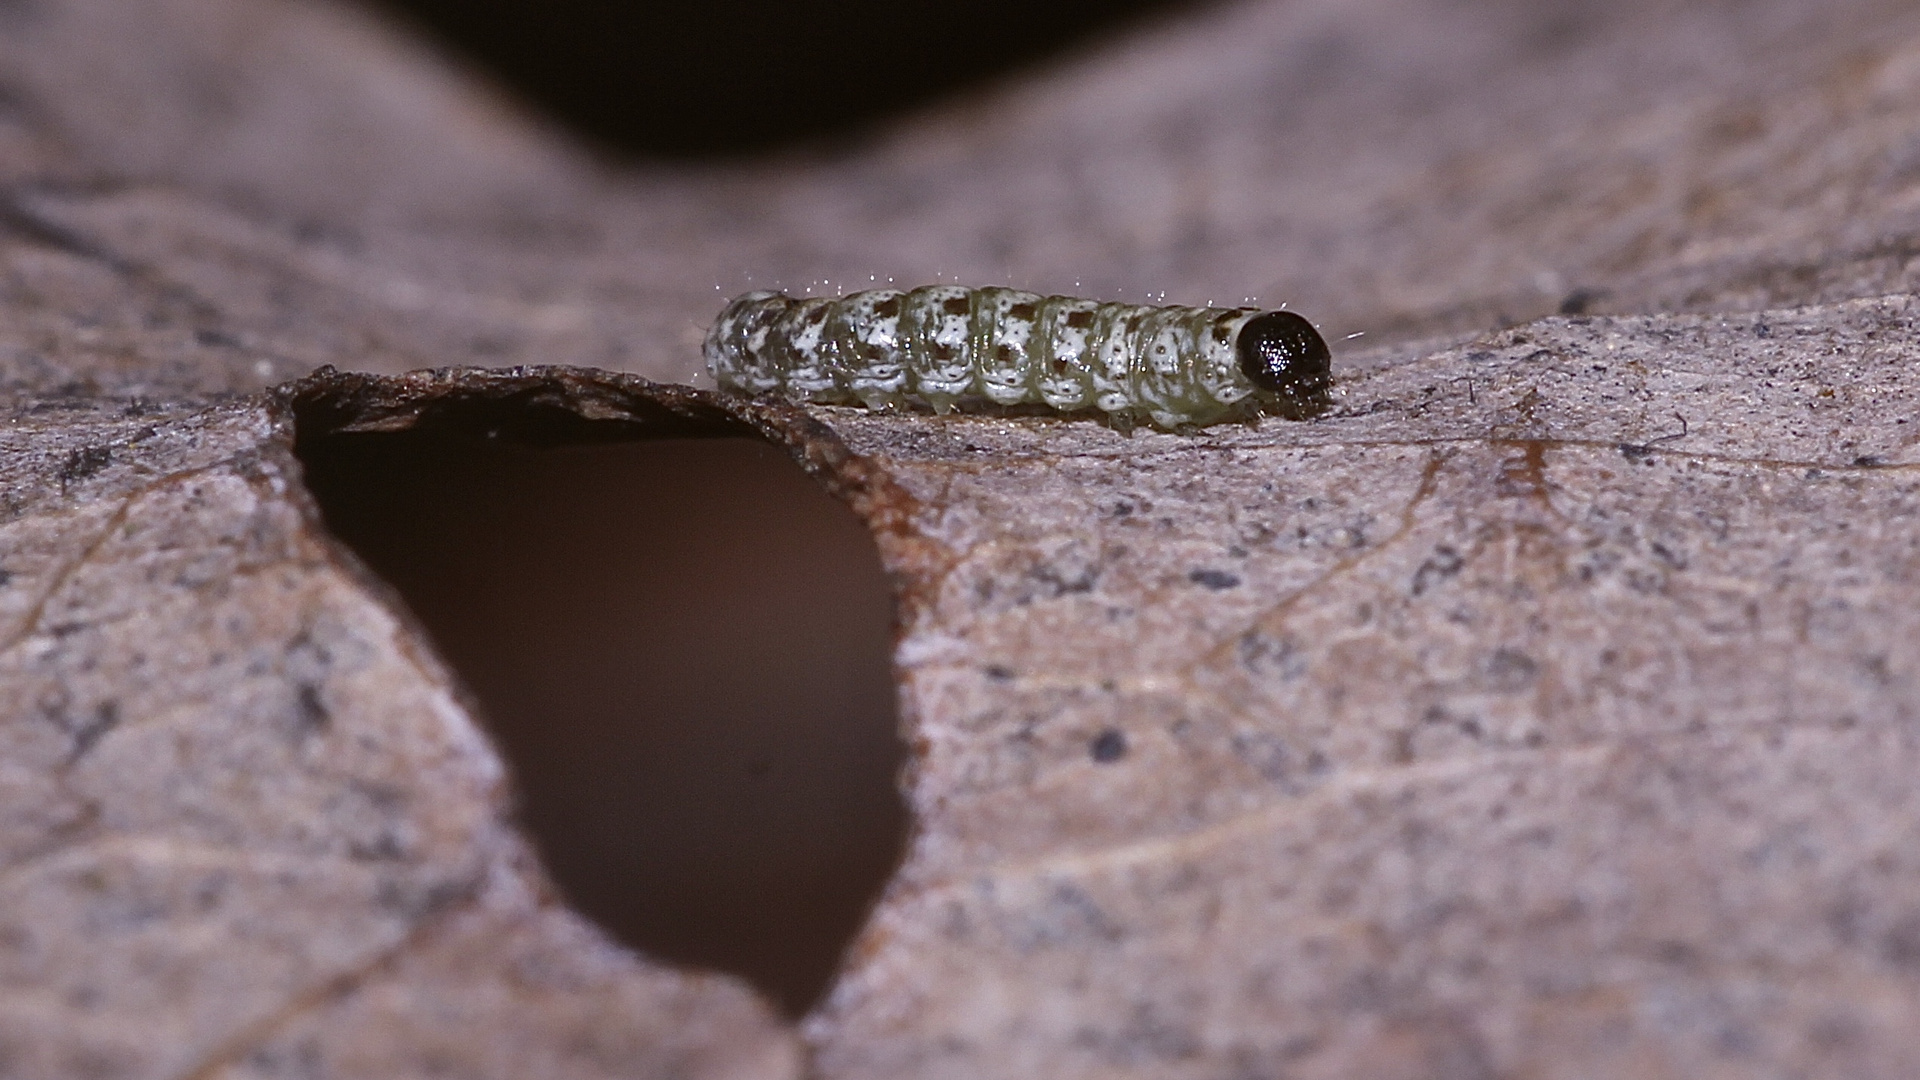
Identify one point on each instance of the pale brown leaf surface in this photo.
(239, 797)
(1543, 711)
(1501, 737)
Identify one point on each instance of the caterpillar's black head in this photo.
(1283, 354)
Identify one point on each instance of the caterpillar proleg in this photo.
(941, 345)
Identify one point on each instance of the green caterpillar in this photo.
(940, 345)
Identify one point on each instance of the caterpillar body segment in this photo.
(940, 345)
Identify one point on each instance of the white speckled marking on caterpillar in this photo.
(941, 344)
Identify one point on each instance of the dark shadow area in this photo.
(682, 646)
(735, 77)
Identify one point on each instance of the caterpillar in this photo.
(946, 345)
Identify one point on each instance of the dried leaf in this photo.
(1563, 730)
(1544, 710)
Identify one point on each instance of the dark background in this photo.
(737, 77)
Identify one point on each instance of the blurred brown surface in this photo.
(1403, 168)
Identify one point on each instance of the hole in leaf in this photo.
(681, 646)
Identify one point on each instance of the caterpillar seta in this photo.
(944, 345)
